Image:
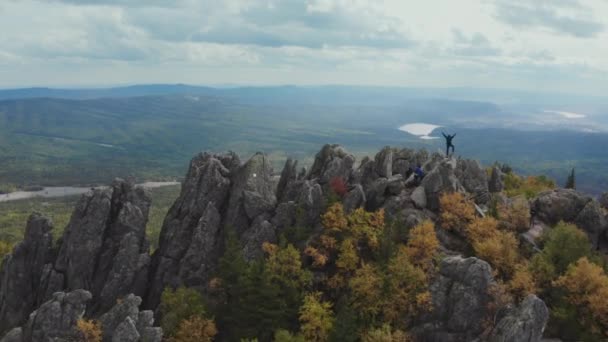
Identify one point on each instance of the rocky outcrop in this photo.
(104, 248)
(56, 320)
(460, 307)
(569, 205)
(20, 273)
(524, 323)
(190, 221)
(474, 179)
(332, 161)
(440, 179)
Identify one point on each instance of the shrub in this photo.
(586, 289)
(90, 330)
(515, 217)
(195, 329)
(286, 336)
(529, 186)
(456, 212)
(497, 247)
(338, 186)
(422, 245)
(366, 291)
(179, 305)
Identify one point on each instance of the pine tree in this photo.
(571, 181)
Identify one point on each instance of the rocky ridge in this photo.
(103, 256)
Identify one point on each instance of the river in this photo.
(61, 191)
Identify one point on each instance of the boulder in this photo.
(354, 199)
(474, 179)
(440, 179)
(124, 322)
(252, 240)
(332, 161)
(56, 319)
(376, 194)
(20, 273)
(604, 200)
(419, 197)
(524, 323)
(460, 301)
(288, 175)
(384, 162)
(15, 335)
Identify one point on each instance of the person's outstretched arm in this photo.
(454, 136)
(445, 136)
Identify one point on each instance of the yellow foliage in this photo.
(90, 330)
(195, 329)
(385, 334)
(348, 260)
(529, 186)
(515, 217)
(407, 290)
(500, 251)
(456, 211)
(586, 285)
(285, 266)
(522, 283)
(334, 218)
(422, 245)
(318, 259)
(366, 291)
(316, 318)
(328, 242)
(367, 226)
(481, 229)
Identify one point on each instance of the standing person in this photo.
(448, 143)
(418, 174)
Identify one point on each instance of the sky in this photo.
(549, 45)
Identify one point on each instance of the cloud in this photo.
(476, 45)
(577, 21)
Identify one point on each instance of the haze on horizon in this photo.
(549, 45)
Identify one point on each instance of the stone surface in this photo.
(21, 271)
(354, 199)
(332, 161)
(496, 183)
(440, 179)
(474, 179)
(525, 323)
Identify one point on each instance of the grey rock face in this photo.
(56, 319)
(251, 195)
(460, 301)
(604, 200)
(21, 271)
(104, 248)
(288, 175)
(252, 240)
(192, 220)
(419, 197)
(354, 199)
(126, 332)
(124, 322)
(384, 162)
(474, 179)
(15, 335)
(524, 323)
(496, 183)
(332, 161)
(441, 179)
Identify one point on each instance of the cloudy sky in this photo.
(524, 44)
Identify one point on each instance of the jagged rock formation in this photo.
(103, 257)
(496, 183)
(461, 298)
(56, 320)
(571, 206)
(103, 251)
(21, 270)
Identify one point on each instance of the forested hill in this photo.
(342, 251)
(56, 141)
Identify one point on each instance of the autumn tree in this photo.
(366, 289)
(563, 245)
(456, 211)
(89, 330)
(586, 289)
(177, 305)
(407, 290)
(195, 329)
(516, 216)
(316, 318)
(497, 247)
(422, 245)
(286, 336)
